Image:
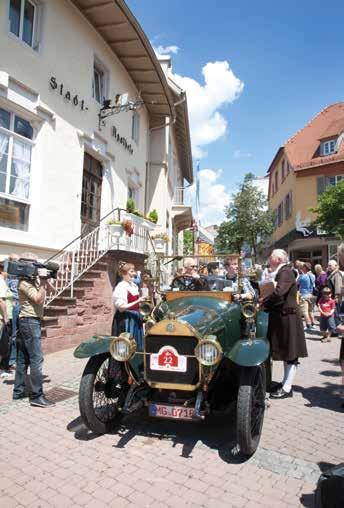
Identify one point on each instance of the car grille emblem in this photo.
(170, 327)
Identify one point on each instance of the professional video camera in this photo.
(28, 269)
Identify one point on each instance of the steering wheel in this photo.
(188, 283)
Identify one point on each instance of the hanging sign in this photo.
(122, 140)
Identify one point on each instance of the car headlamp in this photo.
(208, 351)
(123, 348)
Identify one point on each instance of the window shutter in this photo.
(320, 184)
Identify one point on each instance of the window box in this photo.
(116, 230)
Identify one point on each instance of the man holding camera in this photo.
(32, 294)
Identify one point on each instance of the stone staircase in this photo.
(68, 320)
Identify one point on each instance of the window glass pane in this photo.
(20, 169)
(97, 85)
(29, 13)
(14, 215)
(23, 127)
(5, 118)
(15, 16)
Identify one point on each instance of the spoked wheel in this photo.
(103, 388)
(250, 408)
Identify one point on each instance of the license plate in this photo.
(173, 412)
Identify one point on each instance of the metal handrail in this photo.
(79, 255)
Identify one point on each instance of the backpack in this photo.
(330, 488)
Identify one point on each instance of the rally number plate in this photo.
(173, 412)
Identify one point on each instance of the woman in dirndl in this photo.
(126, 299)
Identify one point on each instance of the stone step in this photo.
(83, 283)
(55, 310)
(64, 300)
(50, 320)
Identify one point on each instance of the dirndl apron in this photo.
(130, 321)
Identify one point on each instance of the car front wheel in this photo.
(103, 388)
(250, 408)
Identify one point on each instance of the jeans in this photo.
(327, 323)
(29, 354)
(13, 347)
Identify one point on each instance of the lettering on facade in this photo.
(120, 139)
(67, 94)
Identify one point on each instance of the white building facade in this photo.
(61, 169)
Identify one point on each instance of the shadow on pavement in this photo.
(218, 433)
(80, 430)
(324, 397)
(330, 373)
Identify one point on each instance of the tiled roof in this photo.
(302, 148)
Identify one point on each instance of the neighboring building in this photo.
(302, 168)
(170, 166)
(63, 173)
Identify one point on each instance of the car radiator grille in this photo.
(184, 346)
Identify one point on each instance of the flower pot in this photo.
(116, 230)
(159, 245)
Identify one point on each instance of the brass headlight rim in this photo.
(130, 341)
(218, 348)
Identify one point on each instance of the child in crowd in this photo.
(327, 306)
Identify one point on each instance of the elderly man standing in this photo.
(285, 330)
(335, 283)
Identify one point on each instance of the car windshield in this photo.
(200, 273)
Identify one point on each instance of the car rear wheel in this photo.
(103, 388)
(250, 408)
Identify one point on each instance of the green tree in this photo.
(249, 220)
(330, 210)
(188, 242)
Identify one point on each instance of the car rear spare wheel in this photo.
(250, 408)
(103, 388)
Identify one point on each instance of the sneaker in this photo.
(41, 402)
(306, 329)
(5, 374)
(326, 339)
(313, 327)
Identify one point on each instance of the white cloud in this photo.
(166, 50)
(238, 154)
(213, 197)
(221, 87)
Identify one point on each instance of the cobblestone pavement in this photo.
(49, 459)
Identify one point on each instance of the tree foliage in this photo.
(248, 219)
(330, 210)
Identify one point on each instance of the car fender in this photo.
(93, 346)
(249, 352)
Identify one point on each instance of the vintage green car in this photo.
(202, 352)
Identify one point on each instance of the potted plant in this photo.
(115, 227)
(131, 207)
(153, 216)
(160, 240)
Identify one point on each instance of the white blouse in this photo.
(120, 294)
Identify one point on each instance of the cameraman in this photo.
(29, 349)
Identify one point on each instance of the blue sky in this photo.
(287, 60)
